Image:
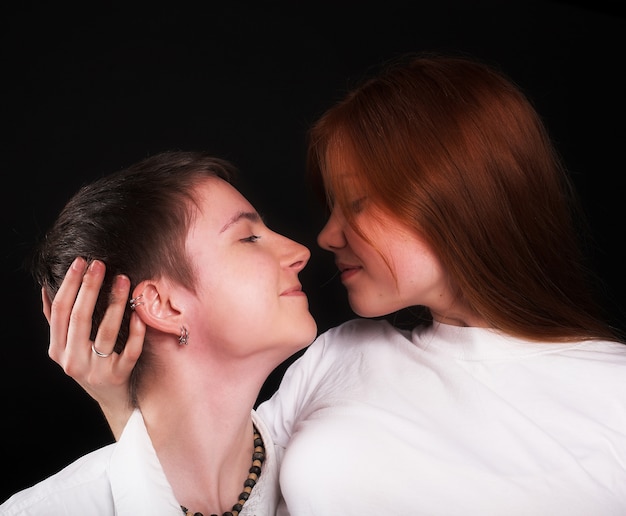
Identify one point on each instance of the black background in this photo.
(97, 87)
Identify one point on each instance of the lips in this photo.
(346, 266)
(347, 271)
(296, 290)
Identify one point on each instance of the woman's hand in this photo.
(105, 378)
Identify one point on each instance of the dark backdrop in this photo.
(86, 91)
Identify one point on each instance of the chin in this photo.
(308, 335)
(367, 311)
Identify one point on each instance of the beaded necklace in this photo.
(258, 456)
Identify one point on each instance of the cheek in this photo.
(235, 287)
(421, 273)
(383, 260)
(235, 317)
(410, 260)
(386, 273)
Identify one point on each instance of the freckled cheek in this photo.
(422, 277)
(380, 277)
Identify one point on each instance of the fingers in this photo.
(124, 363)
(134, 344)
(59, 312)
(114, 371)
(112, 320)
(106, 379)
(47, 304)
(70, 316)
(78, 343)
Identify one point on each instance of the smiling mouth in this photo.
(294, 291)
(347, 271)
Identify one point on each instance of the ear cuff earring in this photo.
(184, 336)
(135, 302)
(183, 340)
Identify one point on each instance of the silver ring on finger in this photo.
(99, 353)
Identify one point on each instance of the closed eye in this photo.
(251, 238)
(359, 205)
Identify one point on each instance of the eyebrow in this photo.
(252, 216)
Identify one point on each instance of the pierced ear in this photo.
(153, 305)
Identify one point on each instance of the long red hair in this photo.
(454, 150)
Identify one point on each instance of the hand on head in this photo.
(106, 379)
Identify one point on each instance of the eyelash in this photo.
(358, 205)
(251, 238)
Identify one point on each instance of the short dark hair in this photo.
(135, 220)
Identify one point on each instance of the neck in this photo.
(457, 312)
(199, 420)
(460, 320)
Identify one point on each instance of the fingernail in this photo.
(79, 264)
(121, 281)
(96, 265)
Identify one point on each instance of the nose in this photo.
(295, 256)
(331, 236)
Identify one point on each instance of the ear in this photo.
(156, 308)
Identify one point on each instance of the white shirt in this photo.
(126, 479)
(451, 421)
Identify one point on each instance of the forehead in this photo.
(343, 174)
(215, 192)
(218, 201)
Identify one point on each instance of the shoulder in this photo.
(342, 346)
(607, 358)
(348, 341)
(361, 330)
(66, 488)
(608, 350)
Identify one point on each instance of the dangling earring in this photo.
(184, 336)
